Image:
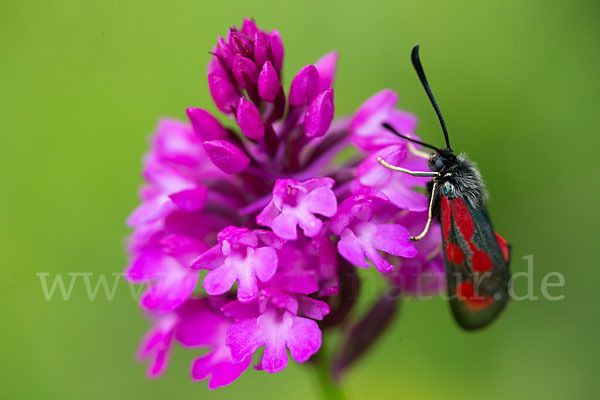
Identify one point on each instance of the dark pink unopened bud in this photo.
(244, 71)
(268, 82)
(276, 50)
(223, 51)
(320, 114)
(305, 86)
(226, 156)
(205, 125)
(240, 44)
(249, 119)
(249, 27)
(223, 91)
(261, 48)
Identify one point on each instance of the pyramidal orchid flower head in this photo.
(259, 197)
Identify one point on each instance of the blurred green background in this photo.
(83, 84)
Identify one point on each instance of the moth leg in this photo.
(429, 217)
(417, 152)
(426, 174)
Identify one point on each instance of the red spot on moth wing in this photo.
(503, 246)
(445, 217)
(463, 219)
(480, 261)
(466, 292)
(454, 254)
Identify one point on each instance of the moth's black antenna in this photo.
(391, 129)
(416, 62)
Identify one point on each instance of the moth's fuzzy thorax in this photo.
(459, 177)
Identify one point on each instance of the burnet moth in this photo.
(476, 257)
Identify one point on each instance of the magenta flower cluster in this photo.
(266, 215)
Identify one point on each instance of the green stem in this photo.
(329, 389)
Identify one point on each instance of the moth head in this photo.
(442, 160)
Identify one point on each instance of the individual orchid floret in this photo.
(295, 204)
(361, 223)
(156, 344)
(202, 324)
(398, 188)
(297, 277)
(171, 282)
(237, 257)
(423, 274)
(277, 330)
(366, 125)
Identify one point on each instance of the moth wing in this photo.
(476, 264)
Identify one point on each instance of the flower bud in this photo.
(244, 71)
(205, 125)
(223, 91)
(249, 27)
(223, 51)
(276, 47)
(320, 114)
(304, 86)
(240, 44)
(261, 48)
(249, 119)
(268, 82)
(226, 156)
